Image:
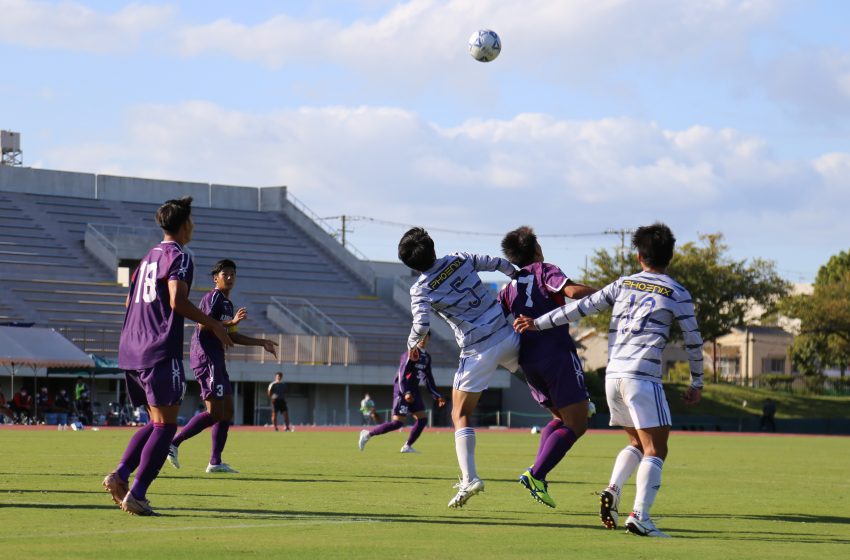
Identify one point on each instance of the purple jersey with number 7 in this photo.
(535, 291)
(152, 331)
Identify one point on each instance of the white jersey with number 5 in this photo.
(644, 306)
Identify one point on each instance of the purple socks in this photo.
(197, 424)
(133, 453)
(219, 439)
(557, 441)
(416, 431)
(154, 454)
(386, 427)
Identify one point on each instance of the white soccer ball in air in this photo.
(535, 429)
(485, 45)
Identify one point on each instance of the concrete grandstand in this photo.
(69, 240)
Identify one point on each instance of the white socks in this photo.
(648, 482)
(465, 448)
(627, 461)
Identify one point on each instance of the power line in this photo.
(345, 219)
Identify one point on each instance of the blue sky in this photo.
(722, 116)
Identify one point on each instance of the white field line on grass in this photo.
(288, 522)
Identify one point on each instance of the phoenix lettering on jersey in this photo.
(648, 287)
(445, 274)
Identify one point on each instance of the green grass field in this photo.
(314, 495)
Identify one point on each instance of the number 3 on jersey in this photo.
(146, 282)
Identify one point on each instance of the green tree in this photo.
(723, 289)
(824, 337)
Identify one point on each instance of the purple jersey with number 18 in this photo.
(152, 331)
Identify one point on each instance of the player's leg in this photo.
(205, 376)
(463, 405)
(221, 410)
(274, 415)
(628, 458)
(651, 415)
(117, 482)
(421, 421)
(396, 423)
(165, 386)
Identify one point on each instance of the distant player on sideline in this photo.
(548, 359)
(277, 396)
(407, 399)
(150, 351)
(451, 286)
(206, 356)
(644, 306)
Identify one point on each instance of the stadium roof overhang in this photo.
(36, 347)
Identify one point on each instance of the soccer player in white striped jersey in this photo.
(451, 286)
(644, 307)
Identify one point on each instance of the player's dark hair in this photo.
(173, 214)
(520, 246)
(221, 265)
(416, 249)
(654, 244)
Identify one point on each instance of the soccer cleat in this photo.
(407, 449)
(608, 502)
(135, 506)
(221, 467)
(645, 528)
(172, 456)
(539, 488)
(364, 437)
(289, 429)
(465, 491)
(116, 487)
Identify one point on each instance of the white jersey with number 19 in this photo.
(644, 307)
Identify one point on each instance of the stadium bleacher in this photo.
(50, 278)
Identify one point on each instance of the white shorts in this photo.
(474, 372)
(637, 403)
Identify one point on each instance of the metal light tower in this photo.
(10, 148)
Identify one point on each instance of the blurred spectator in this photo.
(22, 406)
(5, 411)
(367, 408)
(62, 406)
(80, 387)
(82, 408)
(43, 405)
(768, 411)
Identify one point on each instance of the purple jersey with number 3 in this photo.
(152, 331)
(206, 348)
(535, 291)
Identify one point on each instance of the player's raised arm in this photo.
(486, 263)
(420, 308)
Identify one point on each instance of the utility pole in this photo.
(622, 254)
(343, 225)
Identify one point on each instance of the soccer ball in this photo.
(485, 45)
(535, 429)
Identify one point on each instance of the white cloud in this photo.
(76, 27)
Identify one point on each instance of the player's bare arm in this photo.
(268, 345)
(179, 299)
(692, 396)
(523, 323)
(574, 290)
(240, 315)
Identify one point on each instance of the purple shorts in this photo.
(558, 383)
(162, 385)
(402, 408)
(214, 381)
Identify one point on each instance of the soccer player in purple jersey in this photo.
(150, 351)
(206, 356)
(548, 359)
(407, 399)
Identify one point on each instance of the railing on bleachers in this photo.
(292, 348)
(307, 315)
